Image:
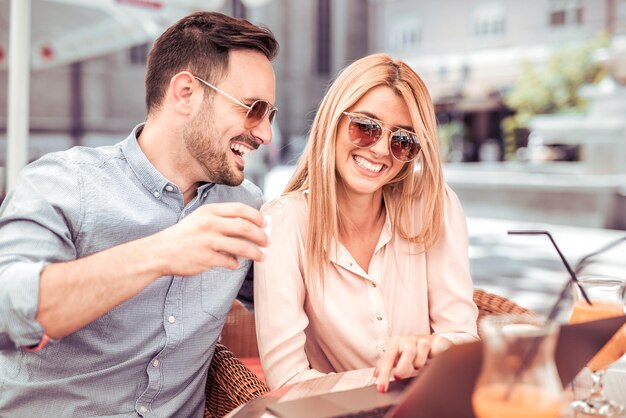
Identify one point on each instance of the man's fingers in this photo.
(236, 210)
(237, 247)
(241, 228)
(225, 260)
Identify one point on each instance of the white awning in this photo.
(65, 31)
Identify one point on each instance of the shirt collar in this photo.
(149, 176)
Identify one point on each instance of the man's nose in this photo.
(263, 131)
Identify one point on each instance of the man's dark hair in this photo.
(200, 43)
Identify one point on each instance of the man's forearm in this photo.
(76, 293)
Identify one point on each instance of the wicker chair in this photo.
(492, 304)
(230, 383)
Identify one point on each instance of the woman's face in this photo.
(365, 171)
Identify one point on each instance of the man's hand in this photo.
(405, 355)
(214, 235)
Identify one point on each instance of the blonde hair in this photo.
(315, 171)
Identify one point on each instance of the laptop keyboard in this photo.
(372, 413)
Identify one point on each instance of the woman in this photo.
(368, 260)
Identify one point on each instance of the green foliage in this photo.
(448, 134)
(552, 88)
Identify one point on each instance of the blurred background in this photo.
(529, 98)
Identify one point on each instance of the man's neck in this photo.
(164, 148)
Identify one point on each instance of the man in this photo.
(119, 264)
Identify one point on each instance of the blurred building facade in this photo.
(469, 51)
(96, 100)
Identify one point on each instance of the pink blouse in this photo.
(305, 333)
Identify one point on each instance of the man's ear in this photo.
(183, 92)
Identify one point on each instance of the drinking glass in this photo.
(607, 298)
(518, 377)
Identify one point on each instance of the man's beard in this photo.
(210, 153)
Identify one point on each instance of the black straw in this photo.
(555, 308)
(534, 345)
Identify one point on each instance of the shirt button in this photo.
(155, 363)
(205, 195)
(374, 284)
(171, 319)
(156, 194)
(379, 317)
(350, 264)
(169, 188)
(384, 349)
(143, 409)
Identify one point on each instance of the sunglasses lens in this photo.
(272, 115)
(404, 145)
(364, 132)
(257, 112)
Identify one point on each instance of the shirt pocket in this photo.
(220, 287)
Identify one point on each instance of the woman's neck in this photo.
(360, 214)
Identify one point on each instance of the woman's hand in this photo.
(406, 354)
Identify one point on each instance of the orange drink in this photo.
(615, 348)
(524, 401)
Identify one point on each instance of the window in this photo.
(239, 9)
(488, 21)
(566, 13)
(323, 37)
(405, 34)
(138, 55)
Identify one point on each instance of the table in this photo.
(615, 389)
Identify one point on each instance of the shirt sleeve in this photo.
(39, 221)
(279, 295)
(453, 312)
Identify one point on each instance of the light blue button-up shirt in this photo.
(148, 356)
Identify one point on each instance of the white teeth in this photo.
(240, 148)
(363, 163)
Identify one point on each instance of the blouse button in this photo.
(379, 317)
(350, 264)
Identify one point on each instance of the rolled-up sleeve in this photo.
(453, 312)
(39, 220)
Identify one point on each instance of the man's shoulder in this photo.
(80, 156)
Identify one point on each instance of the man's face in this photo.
(216, 137)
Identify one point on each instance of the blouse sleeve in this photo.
(453, 312)
(279, 295)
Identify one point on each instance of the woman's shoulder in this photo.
(290, 204)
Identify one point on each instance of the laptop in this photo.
(443, 388)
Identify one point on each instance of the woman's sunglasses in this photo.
(257, 111)
(365, 132)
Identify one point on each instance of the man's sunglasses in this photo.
(365, 132)
(257, 111)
